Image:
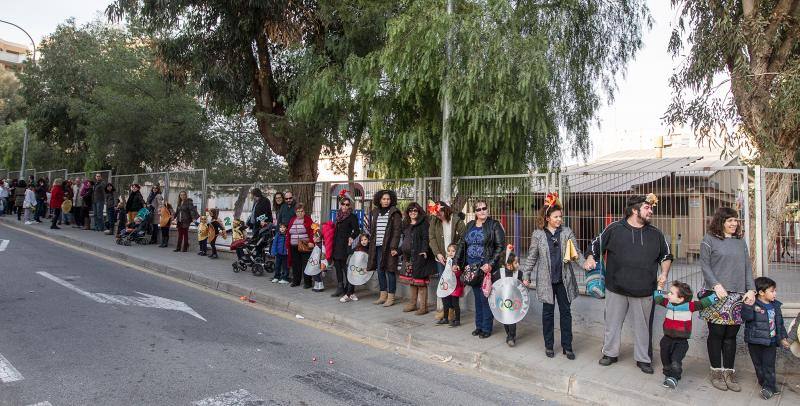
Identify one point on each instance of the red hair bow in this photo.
(551, 199)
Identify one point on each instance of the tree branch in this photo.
(781, 55)
(262, 94)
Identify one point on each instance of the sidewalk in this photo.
(583, 379)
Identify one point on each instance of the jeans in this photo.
(98, 215)
(386, 280)
(673, 350)
(40, 210)
(111, 213)
(564, 316)
(763, 357)
(484, 320)
(281, 267)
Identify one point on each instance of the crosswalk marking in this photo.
(4, 244)
(45, 403)
(239, 397)
(7, 371)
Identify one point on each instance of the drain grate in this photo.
(403, 323)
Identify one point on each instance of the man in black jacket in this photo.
(261, 206)
(634, 250)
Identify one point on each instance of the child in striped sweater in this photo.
(677, 327)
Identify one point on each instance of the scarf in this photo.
(341, 215)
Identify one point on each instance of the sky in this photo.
(630, 122)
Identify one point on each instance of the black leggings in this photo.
(341, 276)
(722, 345)
(164, 235)
(451, 302)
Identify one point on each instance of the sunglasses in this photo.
(480, 209)
(289, 198)
(346, 204)
(413, 211)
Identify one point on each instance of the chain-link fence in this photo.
(22, 176)
(193, 182)
(51, 175)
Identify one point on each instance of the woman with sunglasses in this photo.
(483, 246)
(418, 263)
(555, 280)
(345, 231)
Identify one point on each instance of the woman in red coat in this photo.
(56, 200)
(299, 233)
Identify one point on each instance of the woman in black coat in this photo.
(135, 202)
(385, 225)
(261, 207)
(347, 229)
(418, 259)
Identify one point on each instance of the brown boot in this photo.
(389, 300)
(381, 298)
(717, 379)
(412, 300)
(451, 314)
(422, 298)
(730, 380)
(439, 314)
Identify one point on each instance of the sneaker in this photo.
(670, 382)
(283, 281)
(274, 280)
(344, 299)
(766, 394)
(353, 297)
(27, 223)
(645, 367)
(606, 360)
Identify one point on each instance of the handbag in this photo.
(237, 244)
(305, 246)
(471, 275)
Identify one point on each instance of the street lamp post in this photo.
(445, 186)
(25, 136)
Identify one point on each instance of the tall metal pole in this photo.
(25, 139)
(447, 169)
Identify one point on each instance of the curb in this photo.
(577, 388)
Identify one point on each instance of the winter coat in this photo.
(99, 191)
(155, 206)
(111, 199)
(77, 202)
(307, 223)
(185, 214)
(135, 202)
(756, 324)
(19, 196)
(536, 266)
(286, 213)
(494, 247)
(343, 230)
(415, 242)
(262, 207)
(56, 196)
(41, 192)
(30, 199)
(391, 241)
(279, 245)
(436, 233)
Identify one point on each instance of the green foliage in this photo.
(11, 102)
(96, 97)
(740, 81)
(521, 73)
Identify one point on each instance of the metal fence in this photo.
(171, 183)
(106, 174)
(234, 199)
(16, 174)
(51, 175)
(778, 227)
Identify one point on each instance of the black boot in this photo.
(339, 290)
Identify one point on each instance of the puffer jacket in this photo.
(494, 245)
(536, 266)
(756, 324)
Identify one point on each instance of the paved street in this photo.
(85, 331)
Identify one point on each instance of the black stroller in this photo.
(140, 233)
(256, 254)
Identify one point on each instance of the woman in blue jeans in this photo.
(384, 241)
(483, 245)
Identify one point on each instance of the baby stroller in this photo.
(255, 253)
(138, 233)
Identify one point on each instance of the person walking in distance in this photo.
(635, 249)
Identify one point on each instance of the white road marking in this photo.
(239, 397)
(7, 371)
(45, 403)
(152, 301)
(4, 244)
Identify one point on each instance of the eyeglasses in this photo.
(289, 198)
(480, 209)
(413, 211)
(346, 204)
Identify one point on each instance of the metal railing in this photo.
(16, 174)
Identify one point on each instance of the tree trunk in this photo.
(778, 188)
(351, 163)
(240, 199)
(303, 168)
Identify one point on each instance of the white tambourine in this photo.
(312, 267)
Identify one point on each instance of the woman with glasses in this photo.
(277, 203)
(418, 263)
(300, 242)
(385, 225)
(555, 279)
(483, 246)
(346, 230)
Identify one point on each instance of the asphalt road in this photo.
(65, 347)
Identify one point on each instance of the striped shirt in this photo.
(678, 320)
(297, 232)
(380, 228)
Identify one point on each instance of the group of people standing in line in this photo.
(412, 246)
